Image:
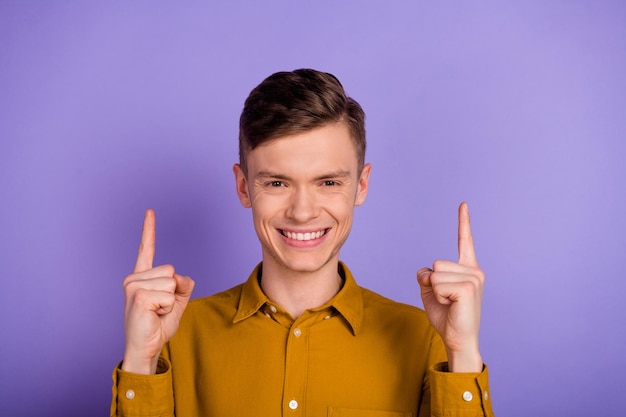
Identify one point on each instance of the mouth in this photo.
(303, 236)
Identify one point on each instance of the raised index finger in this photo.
(467, 256)
(147, 247)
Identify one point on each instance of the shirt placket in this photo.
(297, 361)
(296, 367)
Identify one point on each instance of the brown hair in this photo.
(287, 103)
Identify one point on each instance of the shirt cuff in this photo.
(143, 395)
(459, 394)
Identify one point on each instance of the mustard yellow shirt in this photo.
(239, 354)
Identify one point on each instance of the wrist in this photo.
(467, 362)
(139, 365)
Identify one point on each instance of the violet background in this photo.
(107, 108)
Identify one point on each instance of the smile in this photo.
(303, 236)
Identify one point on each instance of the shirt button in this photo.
(293, 404)
(327, 317)
(486, 395)
(268, 315)
(130, 394)
(467, 396)
(273, 309)
(297, 332)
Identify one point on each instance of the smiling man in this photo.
(302, 191)
(300, 337)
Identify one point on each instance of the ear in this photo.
(242, 186)
(363, 185)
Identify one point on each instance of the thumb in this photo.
(423, 277)
(184, 286)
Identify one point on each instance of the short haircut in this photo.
(288, 103)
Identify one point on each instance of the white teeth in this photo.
(304, 236)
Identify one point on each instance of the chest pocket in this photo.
(352, 412)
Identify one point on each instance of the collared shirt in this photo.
(239, 354)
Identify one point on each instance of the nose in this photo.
(302, 205)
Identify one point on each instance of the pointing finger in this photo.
(467, 256)
(145, 256)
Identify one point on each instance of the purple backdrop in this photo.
(107, 109)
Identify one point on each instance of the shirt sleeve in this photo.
(143, 395)
(459, 394)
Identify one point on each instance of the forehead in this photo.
(328, 148)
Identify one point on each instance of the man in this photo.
(300, 337)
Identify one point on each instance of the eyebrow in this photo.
(326, 176)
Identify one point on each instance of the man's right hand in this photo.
(155, 301)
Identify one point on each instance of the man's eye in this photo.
(275, 184)
(330, 183)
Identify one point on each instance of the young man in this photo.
(300, 337)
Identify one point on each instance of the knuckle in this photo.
(471, 286)
(136, 285)
(129, 282)
(170, 285)
(169, 270)
(141, 296)
(468, 286)
(439, 265)
(478, 275)
(481, 275)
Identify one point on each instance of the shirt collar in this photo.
(348, 301)
(252, 296)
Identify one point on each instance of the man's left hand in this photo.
(452, 296)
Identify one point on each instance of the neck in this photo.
(297, 292)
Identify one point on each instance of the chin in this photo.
(305, 265)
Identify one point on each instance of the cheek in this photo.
(261, 223)
(265, 206)
(340, 208)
